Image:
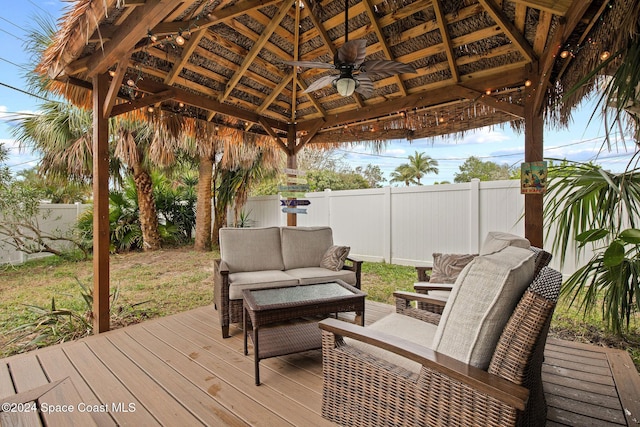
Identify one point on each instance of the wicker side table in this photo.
(277, 305)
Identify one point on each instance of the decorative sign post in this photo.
(296, 187)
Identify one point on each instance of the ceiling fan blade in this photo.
(309, 64)
(365, 88)
(386, 68)
(352, 52)
(320, 83)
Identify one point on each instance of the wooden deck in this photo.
(179, 371)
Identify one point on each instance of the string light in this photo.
(179, 40)
(151, 109)
(131, 83)
(605, 55)
(112, 73)
(181, 104)
(527, 83)
(564, 54)
(487, 92)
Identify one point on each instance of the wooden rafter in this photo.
(145, 101)
(215, 17)
(446, 40)
(274, 94)
(313, 130)
(507, 107)
(129, 33)
(542, 33)
(573, 16)
(559, 7)
(187, 51)
(267, 127)
(256, 48)
(114, 87)
(509, 29)
(368, 5)
(296, 47)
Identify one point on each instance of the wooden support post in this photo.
(292, 163)
(533, 152)
(100, 206)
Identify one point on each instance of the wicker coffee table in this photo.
(275, 306)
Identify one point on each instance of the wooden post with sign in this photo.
(292, 163)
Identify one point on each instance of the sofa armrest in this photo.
(422, 273)
(429, 308)
(221, 293)
(356, 267)
(477, 379)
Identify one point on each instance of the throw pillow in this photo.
(447, 267)
(334, 258)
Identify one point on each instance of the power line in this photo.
(13, 63)
(25, 92)
(12, 23)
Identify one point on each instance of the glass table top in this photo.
(299, 293)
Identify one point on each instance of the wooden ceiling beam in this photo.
(250, 34)
(296, 47)
(128, 34)
(509, 29)
(213, 18)
(322, 32)
(255, 49)
(521, 17)
(574, 14)
(264, 20)
(446, 40)
(274, 94)
(542, 32)
(313, 130)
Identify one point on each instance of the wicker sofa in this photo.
(272, 257)
(479, 363)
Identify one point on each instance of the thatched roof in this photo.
(472, 58)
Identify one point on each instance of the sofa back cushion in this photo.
(497, 241)
(251, 249)
(481, 302)
(305, 246)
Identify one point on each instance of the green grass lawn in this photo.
(174, 280)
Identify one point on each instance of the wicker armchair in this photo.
(440, 291)
(362, 389)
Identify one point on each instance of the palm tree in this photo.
(421, 164)
(404, 174)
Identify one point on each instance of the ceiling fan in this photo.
(355, 72)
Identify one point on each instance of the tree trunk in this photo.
(219, 222)
(147, 208)
(203, 205)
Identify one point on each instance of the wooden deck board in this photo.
(179, 370)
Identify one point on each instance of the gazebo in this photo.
(477, 62)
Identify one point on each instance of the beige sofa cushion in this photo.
(498, 240)
(318, 275)
(399, 326)
(305, 246)
(481, 302)
(251, 249)
(258, 280)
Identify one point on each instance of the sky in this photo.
(582, 141)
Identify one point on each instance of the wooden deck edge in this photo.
(627, 382)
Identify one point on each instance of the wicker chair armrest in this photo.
(356, 267)
(220, 267)
(498, 388)
(413, 296)
(428, 286)
(422, 273)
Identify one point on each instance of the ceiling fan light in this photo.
(346, 86)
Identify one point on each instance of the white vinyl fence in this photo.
(406, 225)
(57, 218)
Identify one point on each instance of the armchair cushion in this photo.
(251, 249)
(334, 257)
(399, 326)
(480, 304)
(305, 246)
(497, 241)
(447, 267)
(258, 280)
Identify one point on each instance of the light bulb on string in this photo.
(179, 40)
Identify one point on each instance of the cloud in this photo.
(11, 117)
